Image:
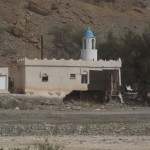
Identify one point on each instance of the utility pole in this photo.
(42, 46)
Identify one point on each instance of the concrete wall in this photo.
(103, 64)
(19, 80)
(4, 72)
(60, 82)
(89, 51)
(58, 79)
(88, 43)
(89, 55)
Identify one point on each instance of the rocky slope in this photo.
(22, 22)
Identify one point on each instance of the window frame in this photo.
(72, 76)
(84, 78)
(45, 77)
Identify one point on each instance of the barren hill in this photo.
(22, 22)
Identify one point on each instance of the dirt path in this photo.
(34, 116)
(82, 142)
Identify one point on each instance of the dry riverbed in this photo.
(25, 120)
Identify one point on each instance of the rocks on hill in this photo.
(41, 7)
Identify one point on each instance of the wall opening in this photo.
(106, 80)
(93, 44)
(84, 79)
(44, 77)
(72, 76)
(84, 43)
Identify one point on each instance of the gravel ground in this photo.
(76, 125)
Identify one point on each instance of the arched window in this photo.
(84, 77)
(93, 44)
(44, 77)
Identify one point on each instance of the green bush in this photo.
(2, 30)
(133, 49)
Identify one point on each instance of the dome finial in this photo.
(89, 33)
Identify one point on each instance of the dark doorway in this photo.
(99, 81)
(106, 80)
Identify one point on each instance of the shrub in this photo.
(47, 146)
(2, 30)
(42, 146)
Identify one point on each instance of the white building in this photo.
(57, 78)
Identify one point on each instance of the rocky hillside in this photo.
(22, 22)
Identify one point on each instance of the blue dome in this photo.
(89, 34)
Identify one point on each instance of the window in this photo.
(84, 78)
(93, 44)
(84, 43)
(72, 76)
(44, 77)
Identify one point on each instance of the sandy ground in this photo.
(82, 142)
(108, 127)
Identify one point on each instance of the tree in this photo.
(68, 38)
(134, 51)
(109, 49)
(136, 61)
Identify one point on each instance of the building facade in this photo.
(57, 78)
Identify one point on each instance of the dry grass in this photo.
(47, 146)
(12, 104)
(41, 146)
(124, 129)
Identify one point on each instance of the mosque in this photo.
(57, 78)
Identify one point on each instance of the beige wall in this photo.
(19, 80)
(58, 79)
(29, 75)
(4, 72)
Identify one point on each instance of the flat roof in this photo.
(70, 63)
